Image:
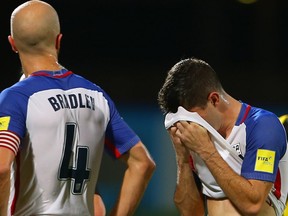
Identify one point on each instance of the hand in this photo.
(195, 137)
(181, 151)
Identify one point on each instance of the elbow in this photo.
(252, 209)
(147, 167)
(251, 212)
(188, 205)
(140, 162)
(151, 166)
(179, 203)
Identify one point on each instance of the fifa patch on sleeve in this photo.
(4, 123)
(265, 161)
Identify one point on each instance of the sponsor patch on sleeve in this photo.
(265, 161)
(4, 123)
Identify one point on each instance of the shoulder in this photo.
(15, 89)
(258, 117)
(264, 127)
(22, 89)
(77, 81)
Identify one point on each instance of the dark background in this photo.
(128, 46)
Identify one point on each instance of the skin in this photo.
(7, 157)
(244, 196)
(38, 45)
(186, 200)
(99, 207)
(135, 181)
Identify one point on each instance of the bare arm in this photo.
(248, 196)
(6, 158)
(187, 197)
(99, 207)
(140, 167)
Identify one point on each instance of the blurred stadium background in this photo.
(127, 47)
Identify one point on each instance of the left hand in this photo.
(194, 137)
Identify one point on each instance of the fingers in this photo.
(184, 126)
(181, 128)
(173, 132)
(181, 125)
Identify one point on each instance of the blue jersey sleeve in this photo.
(266, 145)
(13, 108)
(119, 136)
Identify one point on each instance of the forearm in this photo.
(4, 191)
(99, 206)
(134, 184)
(6, 158)
(140, 167)
(246, 198)
(187, 197)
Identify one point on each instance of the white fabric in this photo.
(210, 187)
(227, 152)
(221, 144)
(88, 135)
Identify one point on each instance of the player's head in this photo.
(35, 28)
(284, 121)
(188, 84)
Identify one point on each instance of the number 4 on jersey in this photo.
(80, 173)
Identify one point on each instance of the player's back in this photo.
(58, 162)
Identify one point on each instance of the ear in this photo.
(58, 41)
(214, 98)
(12, 43)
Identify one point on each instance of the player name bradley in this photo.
(72, 101)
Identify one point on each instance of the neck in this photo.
(32, 63)
(230, 116)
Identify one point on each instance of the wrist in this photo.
(184, 161)
(211, 155)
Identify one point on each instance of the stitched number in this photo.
(74, 168)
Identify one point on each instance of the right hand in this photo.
(182, 152)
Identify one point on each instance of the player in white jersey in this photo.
(99, 206)
(257, 136)
(53, 128)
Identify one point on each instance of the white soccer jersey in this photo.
(57, 124)
(260, 140)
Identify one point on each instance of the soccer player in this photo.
(238, 152)
(53, 126)
(99, 205)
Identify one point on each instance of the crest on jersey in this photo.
(237, 148)
(265, 161)
(4, 123)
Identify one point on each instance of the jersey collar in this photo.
(56, 74)
(245, 109)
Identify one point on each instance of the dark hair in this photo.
(188, 84)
